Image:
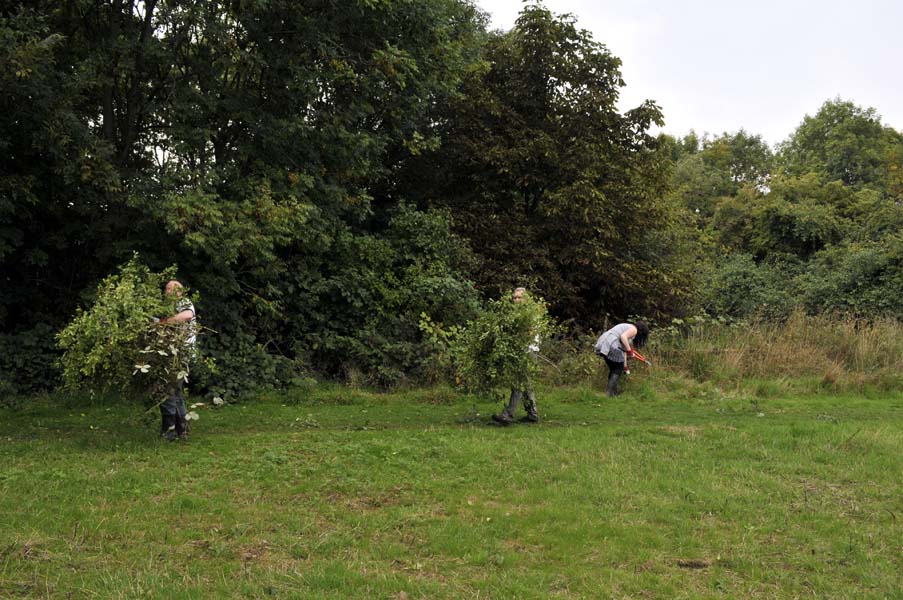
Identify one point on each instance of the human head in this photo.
(173, 288)
(518, 294)
(642, 333)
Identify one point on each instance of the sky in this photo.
(719, 66)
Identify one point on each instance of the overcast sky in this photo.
(761, 66)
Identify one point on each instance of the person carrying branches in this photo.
(497, 351)
(172, 410)
(137, 340)
(523, 388)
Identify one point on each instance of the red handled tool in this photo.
(639, 357)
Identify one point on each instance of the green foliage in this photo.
(739, 287)
(28, 360)
(796, 219)
(254, 144)
(441, 342)
(863, 279)
(843, 142)
(116, 345)
(742, 157)
(812, 228)
(549, 183)
(493, 351)
(240, 367)
(707, 170)
(276, 151)
(361, 311)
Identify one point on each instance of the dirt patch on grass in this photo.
(254, 552)
(388, 498)
(649, 565)
(694, 563)
(25, 551)
(687, 430)
(521, 547)
(419, 570)
(841, 496)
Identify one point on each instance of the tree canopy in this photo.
(331, 175)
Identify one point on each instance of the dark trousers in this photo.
(172, 413)
(615, 370)
(529, 402)
(174, 405)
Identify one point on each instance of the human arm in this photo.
(180, 317)
(627, 335)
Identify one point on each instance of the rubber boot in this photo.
(530, 405)
(181, 427)
(506, 417)
(612, 389)
(168, 427)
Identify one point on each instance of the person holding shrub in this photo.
(172, 410)
(615, 345)
(497, 351)
(118, 346)
(524, 389)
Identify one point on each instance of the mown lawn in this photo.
(337, 493)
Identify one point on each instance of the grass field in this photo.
(337, 493)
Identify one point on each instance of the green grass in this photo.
(337, 493)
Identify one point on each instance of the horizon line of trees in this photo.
(328, 175)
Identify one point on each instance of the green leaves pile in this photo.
(493, 351)
(115, 345)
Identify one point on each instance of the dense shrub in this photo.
(738, 287)
(115, 344)
(860, 279)
(493, 350)
(29, 360)
(360, 313)
(242, 368)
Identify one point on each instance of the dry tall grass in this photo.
(839, 353)
(822, 352)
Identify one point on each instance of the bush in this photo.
(116, 346)
(29, 360)
(857, 279)
(492, 352)
(361, 317)
(741, 288)
(243, 367)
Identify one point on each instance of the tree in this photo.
(252, 143)
(843, 142)
(707, 170)
(550, 184)
(795, 219)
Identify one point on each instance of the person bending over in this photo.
(615, 345)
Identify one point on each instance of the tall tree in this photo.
(249, 142)
(553, 187)
(844, 142)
